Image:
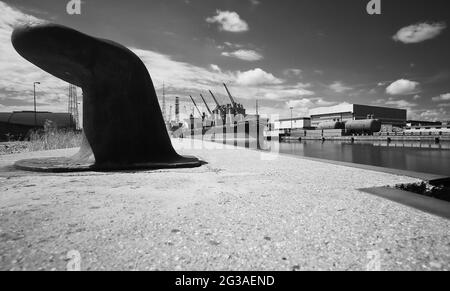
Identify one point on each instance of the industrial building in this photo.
(292, 124)
(16, 125)
(389, 117)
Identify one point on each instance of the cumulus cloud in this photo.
(257, 77)
(308, 103)
(403, 87)
(292, 72)
(215, 68)
(402, 104)
(181, 78)
(245, 55)
(443, 97)
(339, 87)
(184, 78)
(419, 32)
(301, 103)
(429, 114)
(228, 21)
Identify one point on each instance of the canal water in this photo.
(412, 156)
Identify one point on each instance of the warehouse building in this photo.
(294, 123)
(389, 117)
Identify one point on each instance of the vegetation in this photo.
(436, 191)
(52, 139)
(49, 138)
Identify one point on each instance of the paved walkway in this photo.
(241, 211)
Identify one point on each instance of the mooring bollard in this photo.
(123, 124)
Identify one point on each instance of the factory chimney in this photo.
(177, 109)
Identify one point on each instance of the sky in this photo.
(302, 54)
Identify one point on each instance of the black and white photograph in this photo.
(225, 141)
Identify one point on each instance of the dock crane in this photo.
(215, 100)
(229, 95)
(195, 104)
(207, 107)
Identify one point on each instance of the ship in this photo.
(226, 123)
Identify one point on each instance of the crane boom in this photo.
(215, 100)
(195, 104)
(229, 95)
(207, 107)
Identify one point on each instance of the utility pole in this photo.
(35, 112)
(291, 117)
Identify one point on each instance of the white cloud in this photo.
(246, 55)
(321, 102)
(283, 92)
(319, 72)
(229, 21)
(185, 78)
(443, 97)
(419, 32)
(302, 107)
(232, 45)
(215, 68)
(416, 97)
(181, 78)
(339, 87)
(308, 103)
(403, 87)
(429, 114)
(292, 72)
(301, 103)
(402, 104)
(257, 77)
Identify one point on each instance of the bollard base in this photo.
(67, 165)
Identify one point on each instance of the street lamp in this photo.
(35, 118)
(291, 117)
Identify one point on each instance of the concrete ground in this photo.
(242, 211)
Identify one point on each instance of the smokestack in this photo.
(177, 109)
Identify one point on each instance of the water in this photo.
(412, 156)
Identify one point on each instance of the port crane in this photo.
(215, 100)
(229, 95)
(195, 104)
(207, 107)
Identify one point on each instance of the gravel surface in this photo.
(7, 148)
(242, 211)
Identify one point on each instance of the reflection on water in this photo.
(412, 156)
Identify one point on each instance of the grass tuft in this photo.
(52, 139)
